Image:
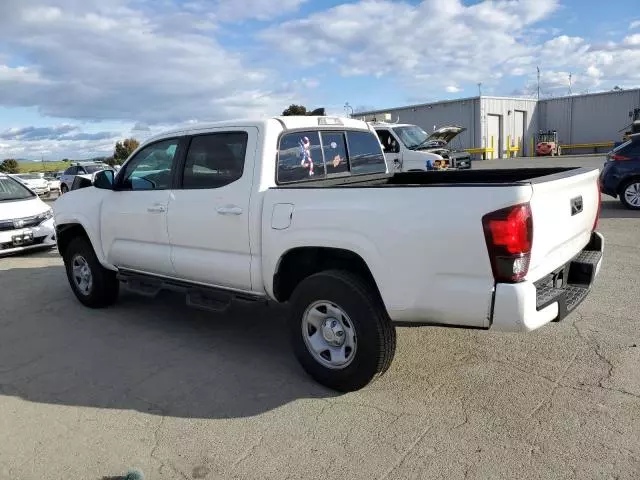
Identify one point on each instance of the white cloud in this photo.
(453, 89)
(635, 24)
(632, 39)
(104, 59)
(465, 43)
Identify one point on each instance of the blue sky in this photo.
(77, 75)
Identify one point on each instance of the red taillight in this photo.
(619, 158)
(509, 235)
(595, 223)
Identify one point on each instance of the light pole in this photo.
(348, 107)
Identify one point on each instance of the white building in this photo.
(504, 126)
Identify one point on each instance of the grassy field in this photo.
(28, 167)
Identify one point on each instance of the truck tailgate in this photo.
(564, 207)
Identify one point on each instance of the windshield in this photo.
(28, 176)
(11, 189)
(93, 168)
(412, 136)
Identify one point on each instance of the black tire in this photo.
(105, 286)
(375, 333)
(63, 189)
(623, 188)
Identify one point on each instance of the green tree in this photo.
(65, 159)
(9, 166)
(124, 149)
(295, 110)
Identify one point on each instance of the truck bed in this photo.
(456, 178)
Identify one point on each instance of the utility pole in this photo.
(538, 68)
(570, 84)
(480, 89)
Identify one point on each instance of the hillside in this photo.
(27, 166)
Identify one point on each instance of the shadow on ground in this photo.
(613, 209)
(156, 356)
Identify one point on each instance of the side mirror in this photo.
(104, 180)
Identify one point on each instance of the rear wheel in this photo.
(93, 285)
(340, 331)
(630, 194)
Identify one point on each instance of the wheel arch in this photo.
(73, 228)
(626, 179)
(298, 263)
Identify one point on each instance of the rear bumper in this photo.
(526, 306)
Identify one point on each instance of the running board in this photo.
(197, 296)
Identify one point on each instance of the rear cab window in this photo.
(318, 154)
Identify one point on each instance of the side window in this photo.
(335, 152)
(300, 157)
(152, 167)
(388, 141)
(70, 171)
(215, 160)
(81, 171)
(365, 154)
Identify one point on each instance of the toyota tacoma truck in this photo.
(303, 210)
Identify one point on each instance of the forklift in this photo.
(547, 144)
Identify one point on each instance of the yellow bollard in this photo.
(532, 150)
(492, 150)
(508, 146)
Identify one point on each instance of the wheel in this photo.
(94, 285)
(63, 189)
(340, 330)
(559, 152)
(630, 194)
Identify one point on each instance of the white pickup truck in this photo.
(303, 210)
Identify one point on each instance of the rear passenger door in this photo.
(208, 216)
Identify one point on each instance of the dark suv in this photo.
(621, 173)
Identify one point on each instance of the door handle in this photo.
(229, 210)
(157, 209)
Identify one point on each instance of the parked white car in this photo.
(54, 183)
(26, 222)
(35, 182)
(83, 170)
(303, 210)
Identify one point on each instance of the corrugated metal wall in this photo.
(578, 119)
(463, 112)
(589, 118)
(506, 108)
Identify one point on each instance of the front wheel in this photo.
(630, 194)
(94, 285)
(340, 330)
(63, 189)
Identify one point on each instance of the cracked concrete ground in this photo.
(183, 394)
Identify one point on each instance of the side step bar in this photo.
(197, 296)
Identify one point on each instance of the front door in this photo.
(134, 217)
(209, 212)
(391, 149)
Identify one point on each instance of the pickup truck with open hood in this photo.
(408, 148)
(303, 210)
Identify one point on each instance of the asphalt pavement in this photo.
(185, 394)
